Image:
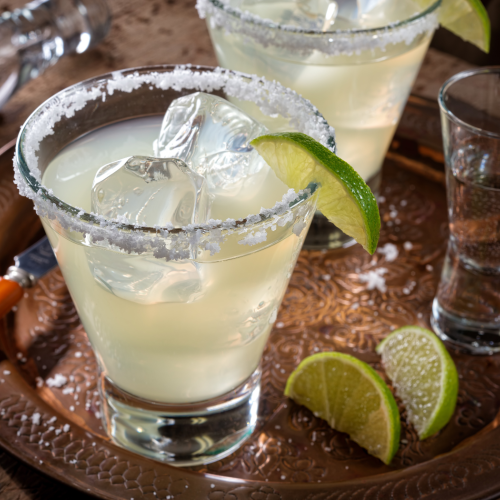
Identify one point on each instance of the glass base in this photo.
(476, 338)
(181, 434)
(325, 235)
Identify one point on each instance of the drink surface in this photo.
(362, 95)
(317, 15)
(188, 347)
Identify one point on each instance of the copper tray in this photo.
(292, 454)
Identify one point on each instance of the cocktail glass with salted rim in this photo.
(178, 317)
(355, 61)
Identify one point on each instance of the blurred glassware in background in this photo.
(35, 36)
(355, 60)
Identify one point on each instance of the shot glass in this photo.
(466, 309)
(179, 379)
(359, 79)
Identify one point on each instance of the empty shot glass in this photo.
(466, 309)
(178, 317)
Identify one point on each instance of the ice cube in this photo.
(144, 279)
(213, 137)
(151, 191)
(147, 191)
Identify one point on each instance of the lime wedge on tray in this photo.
(351, 397)
(344, 198)
(424, 376)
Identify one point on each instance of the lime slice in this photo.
(351, 397)
(344, 198)
(424, 377)
(467, 19)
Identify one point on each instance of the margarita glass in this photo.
(179, 378)
(358, 73)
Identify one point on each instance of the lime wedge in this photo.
(424, 377)
(467, 19)
(351, 397)
(344, 198)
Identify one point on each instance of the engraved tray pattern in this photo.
(292, 454)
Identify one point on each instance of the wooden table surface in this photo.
(143, 32)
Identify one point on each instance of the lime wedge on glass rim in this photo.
(344, 198)
(467, 19)
(351, 397)
(424, 377)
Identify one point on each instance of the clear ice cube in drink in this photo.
(143, 279)
(213, 137)
(151, 192)
(148, 191)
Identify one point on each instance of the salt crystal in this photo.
(24, 417)
(390, 251)
(375, 279)
(57, 381)
(326, 277)
(407, 245)
(35, 418)
(254, 238)
(6, 372)
(299, 227)
(78, 354)
(68, 390)
(66, 428)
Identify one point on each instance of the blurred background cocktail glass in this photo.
(355, 61)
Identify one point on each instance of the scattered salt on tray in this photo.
(375, 279)
(390, 252)
(58, 380)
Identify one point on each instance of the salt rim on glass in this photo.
(272, 99)
(331, 43)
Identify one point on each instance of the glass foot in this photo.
(181, 434)
(476, 338)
